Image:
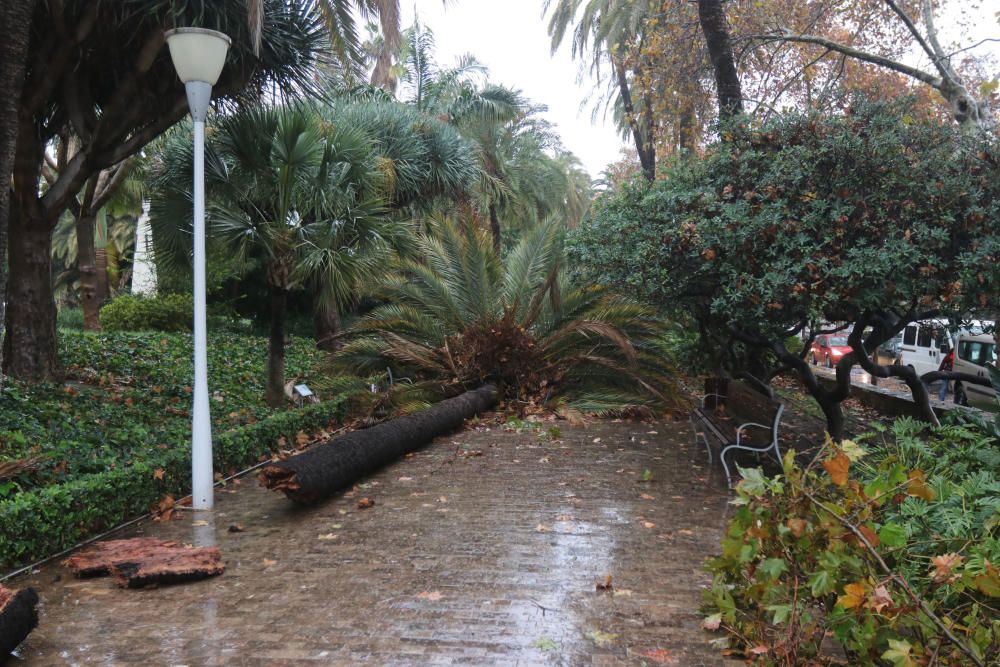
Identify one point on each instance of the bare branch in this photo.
(933, 50)
(882, 61)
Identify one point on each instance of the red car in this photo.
(828, 350)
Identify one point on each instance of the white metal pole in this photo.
(202, 477)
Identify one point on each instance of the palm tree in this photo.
(459, 317)
(609, 30)
(519, 180)
(298, 196)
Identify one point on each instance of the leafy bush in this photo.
(170, 312)
(893, 552)
(70, 318)
(41, 522)
(868, 218)
(124, 413)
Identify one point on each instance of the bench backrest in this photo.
(746, 404)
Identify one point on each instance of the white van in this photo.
(924, 345)
(972, 354)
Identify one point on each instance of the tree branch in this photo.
(933, 50)
(898, 578)
(788, 36)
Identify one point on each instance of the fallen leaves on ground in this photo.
(605, 585)
(268, 562)
(365, 503)
(646, 496)
(236, 528)
(659, 656)
(433, 596)
(545, 644)
(602, 638)
(542, 528)
(327, 537)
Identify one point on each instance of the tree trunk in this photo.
(15, 17)
(276, 349)
(87, 265)
(29, 348)
(495, 229)
(101, 258)
(727, 82)
(643, 144)
(18, 617)
(334, 465)
(686, 136)
(328, 325)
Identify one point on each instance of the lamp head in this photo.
(198, 53)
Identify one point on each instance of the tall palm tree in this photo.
(299, 196)
(608, 30)
(519, 180)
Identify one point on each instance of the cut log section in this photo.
(169, 566)
(339, 463)
(18, 617)
(145, 561)
(96, 561)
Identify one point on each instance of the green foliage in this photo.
(809, 218)
(90, 448)
(794, 568)
(460, 317)
(69, 318)
(170, 312)
(40, 522)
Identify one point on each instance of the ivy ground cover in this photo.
(80, 457)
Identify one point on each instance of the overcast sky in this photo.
(510, 38)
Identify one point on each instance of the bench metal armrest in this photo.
(705, 397)
(739, 431)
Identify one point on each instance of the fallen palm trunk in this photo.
(145, 561)
(18, 617)
(337, 464)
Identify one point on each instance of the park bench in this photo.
(727, 411)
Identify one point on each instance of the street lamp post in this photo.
(198, 56)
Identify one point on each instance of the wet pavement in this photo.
(482, 549)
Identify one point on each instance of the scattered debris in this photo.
(145, 561)
(18, 617)
(236, 528)
(606, 585)
(97, 560)
(169, 566)
(365, 503)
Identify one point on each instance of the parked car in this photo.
(828, 350)
(974, 352)
(925, 345)
(888, 353)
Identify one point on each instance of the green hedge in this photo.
(170, 312)
(45, 521)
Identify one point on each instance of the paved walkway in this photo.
(481, 549)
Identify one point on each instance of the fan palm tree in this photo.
(300, 197)
(458, 317)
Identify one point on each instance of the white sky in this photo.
(511, 39)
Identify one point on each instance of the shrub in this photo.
(38, 523)
(70, 318)
(893, 553)
(171, 312)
